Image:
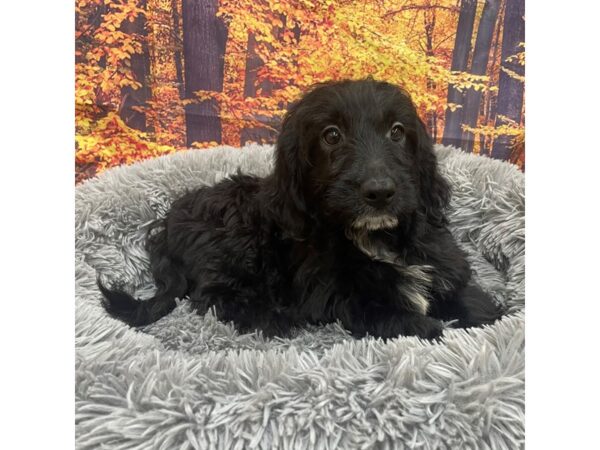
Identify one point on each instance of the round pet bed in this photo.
(192, 382)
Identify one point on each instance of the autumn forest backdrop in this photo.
(157, 76)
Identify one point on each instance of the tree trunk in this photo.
(140, 67)
(490, 96)
(253, 64)
(460, 57)
(204, 38)
(510, 90)
(481, 53)
(429, 19)
(251, 85)
(177, 41)
(87, 26)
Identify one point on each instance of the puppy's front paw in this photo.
(423, 326)
(410, 324)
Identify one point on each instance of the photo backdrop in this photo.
(158, 76)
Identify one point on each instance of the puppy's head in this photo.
(355, 153)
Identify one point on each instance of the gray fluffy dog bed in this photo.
(192, 382)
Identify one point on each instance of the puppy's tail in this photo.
(170, 281)
(123, 306)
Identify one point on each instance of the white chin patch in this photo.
(373, 223)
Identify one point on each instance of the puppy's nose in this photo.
(378, 192)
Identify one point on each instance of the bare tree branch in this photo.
(421, 8)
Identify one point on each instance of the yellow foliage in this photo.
(110, 142)
(297, 42)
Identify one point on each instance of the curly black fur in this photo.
(351, 230)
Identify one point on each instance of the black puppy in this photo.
(350, 226)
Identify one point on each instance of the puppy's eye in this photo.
(397, 132)
(332, 135)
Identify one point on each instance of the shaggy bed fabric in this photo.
(192, 382)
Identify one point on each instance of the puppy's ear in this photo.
(287, 184)
(434, 189)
